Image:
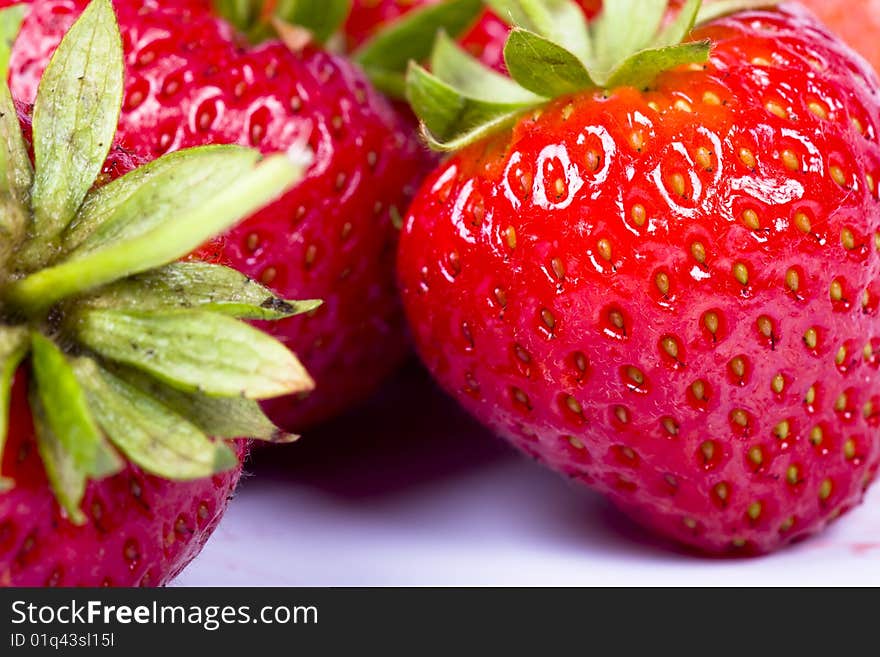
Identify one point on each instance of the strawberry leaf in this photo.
(67, 412)
(67, 480)
(16, 177)
(641, 69)
(320, 17)
(198, 285)
(680, 27)
(560, 21)
(150, 434)
(195, 351)
(386, 56)
(11, 19)
(111, 202)
(624, 27)
(14, 345)
(223, 417)
(171, 235)
(75, 117)
(544, 67)
(452, 120)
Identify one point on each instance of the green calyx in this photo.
(263, 19)
(553, 51)
(133, 354)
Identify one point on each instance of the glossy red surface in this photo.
(561, 282)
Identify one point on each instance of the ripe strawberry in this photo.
(191, 82)
(858, 28)
(108, 475)
(665, 289)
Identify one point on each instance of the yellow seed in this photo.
(500, 297)
(778, 384)
(510, 234)
(765, 326)
(811, 338)
(802, 221)
(548, 319)
(868, 351)
(836, 290)
(559, 186)
(662, 282)
(699, 390)
(628, 454)
(847, 239)
(635, 375)
(741, 273)
(782, 430)
(877, 241)
(699, 252)
(792, 280)
(754, 511)
(790, 160)
(639, 215)
(750, 219)
(520, 396)
(690, 523)
(866, 299)
(747, 158)
(670, 426)
(604, 248)
(818, 109)
(670, 346)
(825, 489)
(711, 98)
(683, 105)
(849, 449)
(816, 435)
(872, 184)
(704, 157)
(775, 108)
(738, 367)
(787, 524)
(840, 403)
(838, 176)
(739, 543)
(756, 455)
(857, 125)
(637, 140)
(567, 111)
(708, 450)
(761, 61)
(573, 405)
(677, 182)
(793, 475)
(722, 491)
(740, 417)
(622, 414)
(616, 319)
(593, 160)
(711, 322)
(810, 397)
(868, 410)
(574, 442)
(558, 268)
(840, 358)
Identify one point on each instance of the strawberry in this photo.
(652, 264)
(192, 82)
(857, 28)
(125, 376)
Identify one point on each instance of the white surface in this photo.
(408, 491)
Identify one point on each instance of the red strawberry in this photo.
(667, 289)
(108, 475)
(191, 82)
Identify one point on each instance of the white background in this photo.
(409, 491)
